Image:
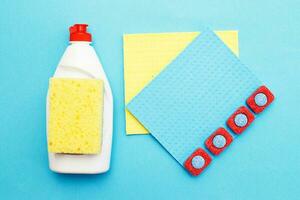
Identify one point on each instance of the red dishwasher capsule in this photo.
(218, 141)
(197, 162)
(240, 120)
(260, 99)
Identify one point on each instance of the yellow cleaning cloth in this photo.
(145, 55)
(75, 116)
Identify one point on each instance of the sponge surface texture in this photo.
(75, 116)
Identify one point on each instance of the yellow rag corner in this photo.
(145, 55)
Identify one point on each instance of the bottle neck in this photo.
(80, 42)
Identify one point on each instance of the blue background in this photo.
(262, 164)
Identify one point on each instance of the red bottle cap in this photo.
(78, 33)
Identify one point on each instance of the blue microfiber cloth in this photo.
(194, 95)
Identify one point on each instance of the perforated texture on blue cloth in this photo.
(194, 95)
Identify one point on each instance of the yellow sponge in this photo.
(75, 116)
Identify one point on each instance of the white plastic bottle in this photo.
(81, 61)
